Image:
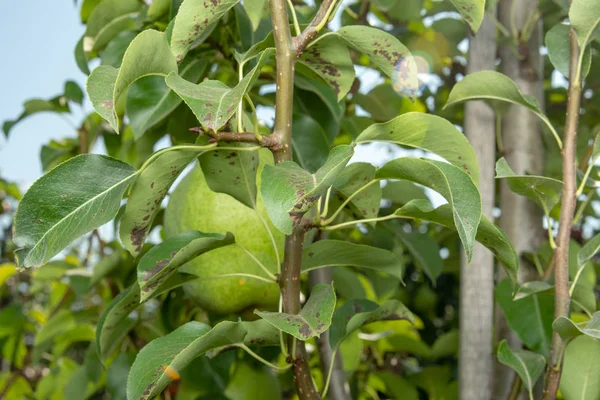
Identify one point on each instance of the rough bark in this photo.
(521, 219)
(476, 360)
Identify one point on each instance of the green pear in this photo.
(193, 206)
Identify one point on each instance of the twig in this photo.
(318, 22)
(268, 141)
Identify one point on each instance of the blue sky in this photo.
(38, 38)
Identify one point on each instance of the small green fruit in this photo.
(193, 206)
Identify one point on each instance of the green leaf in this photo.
(193, 18)
(558, 42)
(256, 9)
(589, 250)
(313, 319)
(354, 177)
(488, 234)
(57, 105)
(529, 365)
(150, 101)
(310, 143)
(148, 54)
(357, 313)
(426, 132)
(150, 189)
(56, 152)
(323, 91)
(213, 102)
(117, 319)
(115, 50)
(108, 19)
(158, 264)
(449, 181)
(567, 329)
(585, 18)
(543, 191)
(150, 373)
(232, 172)
(495, 88)
(289, 190)
(385, 51)
(402, 192)
(74, 198)
(530, 318)
(425, 251)
(158, 8)
(81, 58)
(581, 369)
(472, 12)
(337, 253)
(330, 59)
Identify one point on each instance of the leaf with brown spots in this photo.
(330, 59)
(213, 102)
(313, 319)
(158, 264)
(359, 312)
(150, 189)
(472, 12)
(288, 190)
(193, 18)
(147, 377)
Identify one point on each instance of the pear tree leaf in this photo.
(425, 251)
(147, 54)
(567, 329)
(449, 181)
(150, 189)
(589, 250)
(107, 20)
(426, 132)
(150, 101)
(353, 178)
(193, 19)
(213, 102)
(310, 143)
(74, 198)
(232, 172)
(488, 234)
(472, 12)
(558, 42)
(160, 262)
(585, 18)
(527, 364)
(157, 363)
(337, 253)
(495, 88)
(356, 313)
(581, 369)
(118, 318)
(289, 190)
(256, 10)
(542, 190)
(312, 320)
(330, 59)
(158, 8)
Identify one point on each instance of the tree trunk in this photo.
(476, 359)
(521, 219)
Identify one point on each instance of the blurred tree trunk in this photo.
(521, 219)
(476, 359)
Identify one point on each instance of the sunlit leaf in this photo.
(579, 380)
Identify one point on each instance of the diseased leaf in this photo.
(150, 189)
(585, 18)
(356, 313)
(150, 101)
(147, 54)
(213, 102)
(529, 365)
(149, 373)
(579, 380)
(472, 12)
(193, 19)
(544, 191)
(329, 58)
(337, 253)
(352, 179)
(232, 172)
(449, 181)
(74, 198)
(158, 264)
(567, 329)
(289, 190)
(314, 318)
(426, 132)
(530, 318)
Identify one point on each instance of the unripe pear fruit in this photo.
(194, 206)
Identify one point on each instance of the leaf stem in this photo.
(257, 134)
(318, 23)
(585, 178)
(173, 148)
(257, 261)
(260, 278)
(561, 259)
(346, 202)
(361, 221)
(294, 18)
(262, 360)
(331, 364)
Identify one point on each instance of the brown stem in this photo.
(515, 389)
(310, 32)
(561, 259)
(268, 141)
